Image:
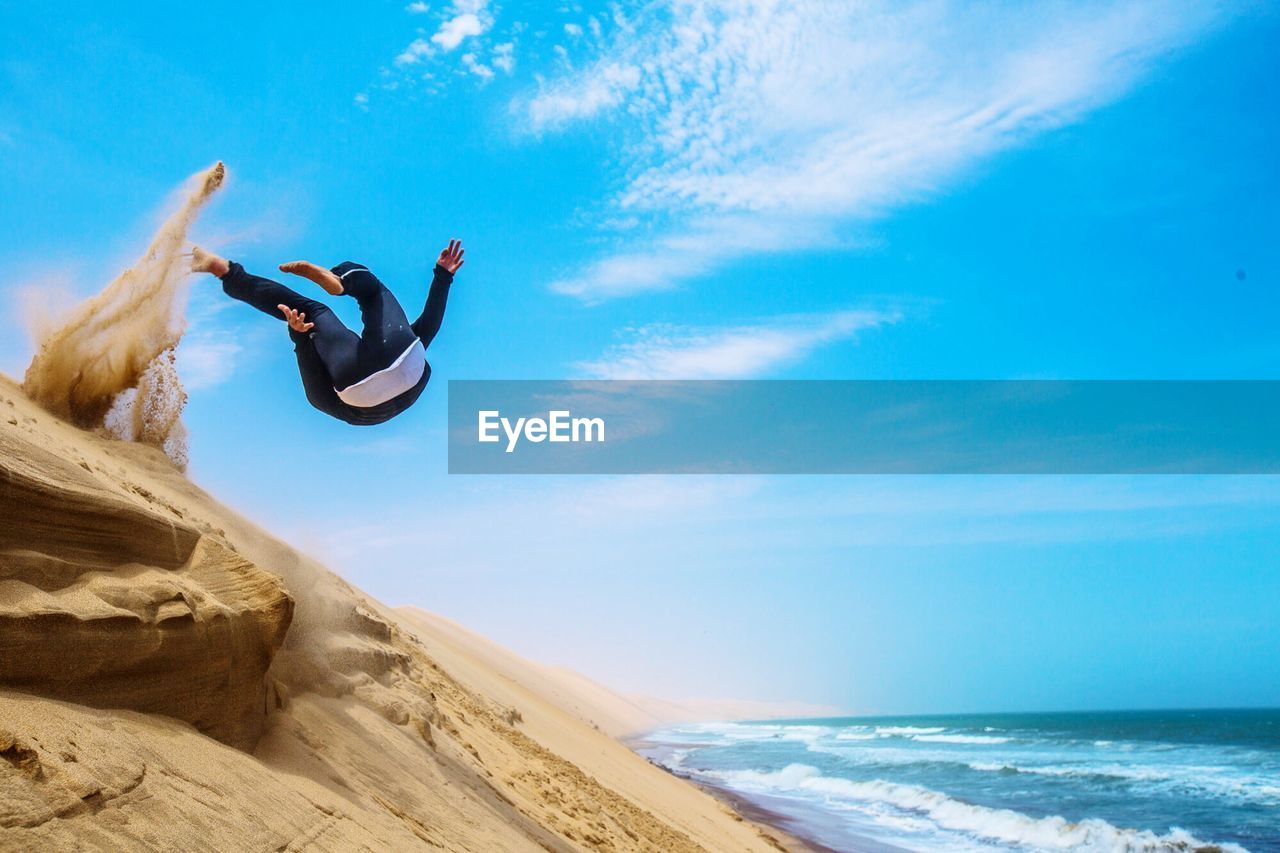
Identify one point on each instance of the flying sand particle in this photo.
(111, 364)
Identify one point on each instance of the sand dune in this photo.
(614, 713)
(174, 678)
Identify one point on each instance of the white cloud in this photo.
(469, 19)
(504, 57)
(423, 65)
(453, 31)
(205, 361)
(585, 97)
(573, 30)
(417, 50)
(218, 335)
(670, 352)
(659, 262)
(477, 68)
(838, 112)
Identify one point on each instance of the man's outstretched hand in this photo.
(297, 322)
(451, 257)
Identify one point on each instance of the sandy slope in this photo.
(573, 693)
(369, 730)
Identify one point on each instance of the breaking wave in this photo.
(1003, 826)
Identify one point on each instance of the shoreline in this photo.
(795, 836)
(1005, 788)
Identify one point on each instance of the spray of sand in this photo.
(110, 365)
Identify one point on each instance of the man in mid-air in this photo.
(362, 379)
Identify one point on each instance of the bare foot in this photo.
(321, 276)
(202, 261)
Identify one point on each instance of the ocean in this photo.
(1116, 780)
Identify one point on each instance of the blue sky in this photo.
(730, 189)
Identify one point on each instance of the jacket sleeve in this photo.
(426, 326)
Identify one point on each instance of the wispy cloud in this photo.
(658, 261)
(673, 352)
(415, 52)
(607, 87)
(832, 112)
(504, 57)
(205, 361)
(466, 24)
(212, 348)
(462, 20)
(475, 66)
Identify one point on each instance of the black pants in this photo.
(330, 355)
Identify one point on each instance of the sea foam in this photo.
(978, 822)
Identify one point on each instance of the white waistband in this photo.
(390, 382)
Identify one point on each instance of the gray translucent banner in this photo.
(864, 427)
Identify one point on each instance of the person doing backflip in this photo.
(362, 379)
